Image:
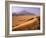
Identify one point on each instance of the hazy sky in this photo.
(28, 9)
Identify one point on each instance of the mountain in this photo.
(23, 13)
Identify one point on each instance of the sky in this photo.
(34, 10)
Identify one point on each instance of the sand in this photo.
(21, 22)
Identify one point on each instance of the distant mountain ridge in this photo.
(23, 13)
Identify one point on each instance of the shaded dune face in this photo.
(25, 22)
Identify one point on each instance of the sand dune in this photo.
(25, 22)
